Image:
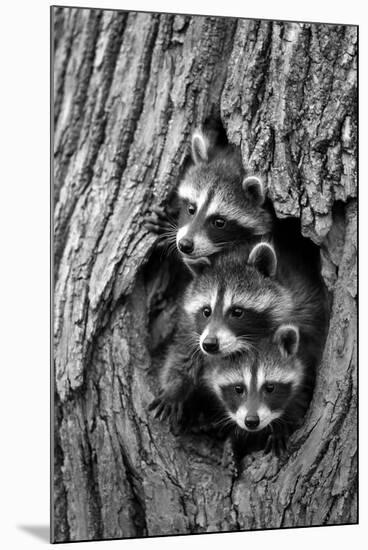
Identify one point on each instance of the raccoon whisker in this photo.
(246, 344)
(196, 340)
(167, 232)
(164, 250)
(169, 249)
(167, 239)
(193, 356)
(225, 421)
(170, 220)
(197, 355)
(226, 350)
(191, 342)
(220, 244)
(193, 337)
(161, 213)
(196, 351)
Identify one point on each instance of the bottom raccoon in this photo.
(265, 394)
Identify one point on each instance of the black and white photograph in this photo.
(204, 274)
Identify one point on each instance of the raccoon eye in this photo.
(191, 209)
(219, 223)
(237, 312)
(239, 389)
(206, 311)
(268, 387)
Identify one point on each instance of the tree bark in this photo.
(129, 88)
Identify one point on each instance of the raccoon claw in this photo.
(161, 407)
(155, 226)
(228, 459)
(276, 444)
(160, 211)
(154, 404)
(178, 412)
(166, 408)
(158, 221)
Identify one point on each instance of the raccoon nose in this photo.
(210, 344)
(252, 421)
(186, 246)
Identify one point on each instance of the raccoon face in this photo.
(233, 305)
(228, 328)
(218, 208)
(256, 389)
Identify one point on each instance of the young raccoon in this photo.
(264, 395)
(242, 299)
(228, 308)
(219, 207)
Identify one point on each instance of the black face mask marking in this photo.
(232, 232)
(276, 394)
(251, 323)
(233, 397)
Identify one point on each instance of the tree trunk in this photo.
(129, 88)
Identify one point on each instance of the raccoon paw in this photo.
(276, 444)
(201, 427)
(159, 222)
(228, 460)
(167, 408)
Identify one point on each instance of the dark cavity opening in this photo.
(166, 277)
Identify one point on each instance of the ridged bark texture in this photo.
(129, 88)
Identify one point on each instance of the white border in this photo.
(24, 230)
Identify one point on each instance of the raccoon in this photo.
(264, 394)
(245, 296)
(219, 205)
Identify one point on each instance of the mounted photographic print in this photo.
(205, 274)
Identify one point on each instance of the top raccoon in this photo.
(220, 207)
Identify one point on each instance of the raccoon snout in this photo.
(210, 344)
(252, 421)
(186, 246)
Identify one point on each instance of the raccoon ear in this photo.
(254, 190)
(287, 339)
(263, 258)
(200, 147)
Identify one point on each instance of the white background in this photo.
(24, 271)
